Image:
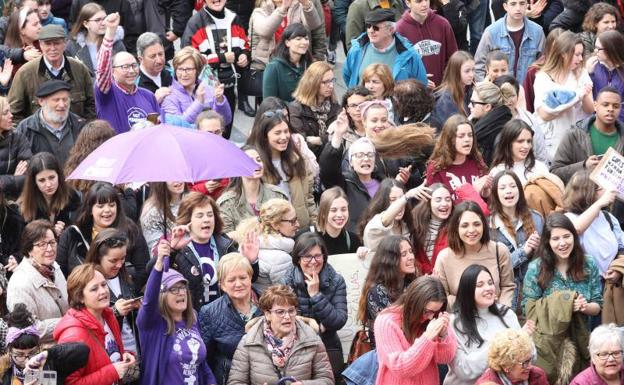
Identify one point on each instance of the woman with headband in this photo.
(24, 351)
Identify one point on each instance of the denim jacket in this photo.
(496, 36)
(362, 371)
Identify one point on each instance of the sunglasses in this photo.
(374, 27)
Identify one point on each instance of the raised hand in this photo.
(6, 73)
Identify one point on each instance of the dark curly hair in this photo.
(412, 101)
(21, 318)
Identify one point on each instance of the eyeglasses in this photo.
(24, 356)
(309, 258)
(526, 363)
(474, 102)
(98, 20)
(282, 312)
(605, 355)
(186, 70)
(291, 221)
(374, 27)
(362, 155)
(431, 313)
(177, 289)
(128, 67)
(44, 244)
(328, 82)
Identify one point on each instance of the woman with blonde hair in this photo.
(85, 37)
(563, 90)
(315, 106)
(189, 96)
(453, 94)
(489, 113)
(510, 360)
(14, 160)
(276, 228)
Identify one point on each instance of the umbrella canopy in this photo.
(164, 153)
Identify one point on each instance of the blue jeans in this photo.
(476, 24)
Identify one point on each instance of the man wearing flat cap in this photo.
(52, 65)
(359, 9)
(380, 44)
(53, 128)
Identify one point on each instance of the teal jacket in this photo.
(408, 64)
(280, 79)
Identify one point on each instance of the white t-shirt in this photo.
(520, 170)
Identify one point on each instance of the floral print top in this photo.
(590, 287)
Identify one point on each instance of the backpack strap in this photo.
(608, 218)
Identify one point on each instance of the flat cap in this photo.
(378, 15)
(51, 31)
(52, 86)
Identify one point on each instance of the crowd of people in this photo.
(457, 165)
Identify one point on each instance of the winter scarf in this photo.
(320, 113)
(46, 271)
(280, 349)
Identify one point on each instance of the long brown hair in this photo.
(403, 141)
(580, 193)
(13, 37)
(451, 81)
(32, 199)
(444, 151)
(549, 259)
(91, 136)
(522, 208)
(307, 91)
(161, 198)
(384, 270)
(550, 41)
(413, 302)
(560, 56)
(385, 75)
(612, 44)
(86, 13)
(454, 241)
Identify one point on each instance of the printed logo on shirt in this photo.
(136, 115)
(456, 181)
(428, 47)
(186, 345)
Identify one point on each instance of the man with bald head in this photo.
(118, 99)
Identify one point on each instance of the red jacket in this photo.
(200, 187)
(441, 242)
(74, 327)
(537, 376)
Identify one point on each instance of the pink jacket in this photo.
(590, 377)
(537, 376)
(402, 363)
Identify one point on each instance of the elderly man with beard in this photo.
(117, 97)
(52, 65)
(53, 128)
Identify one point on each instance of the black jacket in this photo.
(187, 264)
(304, 122)
(14, 147)
(128, 291)
(488, 128)
(328, 307)
(149, 84)
(221, 329)
(11, 226)
(41, 140)
(332, 175)
(71, 251)
(67, 214)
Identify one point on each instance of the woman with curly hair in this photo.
(601, 17)
(457, 163)
(413, 102)
(91, 136)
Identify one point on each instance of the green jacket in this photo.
(358, 11)
(32, 74)
(281, 79)
(234, 208)
(561, 336)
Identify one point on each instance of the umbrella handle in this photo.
(166, 263)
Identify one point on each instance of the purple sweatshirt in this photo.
(179, 102)
(118, 107)
(434, 40)
(158, 348)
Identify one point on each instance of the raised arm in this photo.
(104, 71)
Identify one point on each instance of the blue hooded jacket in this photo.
(408, 64)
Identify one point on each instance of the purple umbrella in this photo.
(164, 153)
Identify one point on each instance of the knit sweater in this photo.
(471, 361)
(449, 267)
(404, 363)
